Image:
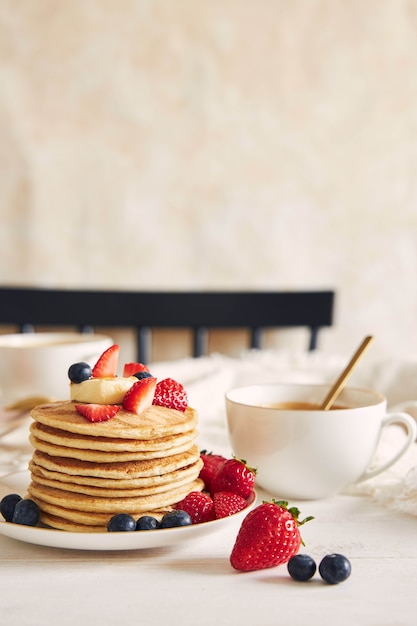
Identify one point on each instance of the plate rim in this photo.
(104, 541)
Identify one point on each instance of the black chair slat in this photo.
(200, 311)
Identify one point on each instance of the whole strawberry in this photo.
(171, 394)
(269, 535)
(226, 503)
(198, 505)
(212, 464)
(235, 476)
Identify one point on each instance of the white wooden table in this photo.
(193, 583)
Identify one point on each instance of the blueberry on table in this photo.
(8, 504)
(78, 372)
(26, 512)
(335, 568)
(175, 518)
(301, 567)
(121, 522)
(147, 522)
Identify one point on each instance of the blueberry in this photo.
(175, 518)
(7, 505)
(301, 567)
(147, 522)
(26, 512)
(334, 568)
(78, 372)
(121, 522)
(140, 375)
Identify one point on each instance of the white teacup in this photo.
(36, 364)
(303, 452)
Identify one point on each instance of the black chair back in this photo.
(27, 308)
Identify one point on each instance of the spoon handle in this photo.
(341, 381)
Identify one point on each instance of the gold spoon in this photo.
(341, 381)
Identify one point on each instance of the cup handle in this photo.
(410, 425)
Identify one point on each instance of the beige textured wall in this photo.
(215, 144)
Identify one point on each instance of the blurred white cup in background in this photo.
(36, 364)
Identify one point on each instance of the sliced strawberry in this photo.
(106, 366)
(227, 503)
(130, 369)
(140, 395)
(171, 394)
(97, 412)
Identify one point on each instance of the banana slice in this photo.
(102, 390)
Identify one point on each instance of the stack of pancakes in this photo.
(83, 473)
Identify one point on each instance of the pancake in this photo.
(106, 490)
(77, 521)
(88, 504)
(83, 472)
(62, 524)
(98, 456)
(154, 423)
(189, 471)
(151, 468)
(111, 444)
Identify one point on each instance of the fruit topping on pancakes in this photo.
(78, 372)
(140, 395)
(135, 391)
(132, 369)
(97, 412)
(171, 394)
(106, 366)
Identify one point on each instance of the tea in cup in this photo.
(303, 452)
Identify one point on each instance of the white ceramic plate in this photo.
(139, 540)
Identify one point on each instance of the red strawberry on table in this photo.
(235, 476)
(212, 464)
(97, 412)
(171, 394)
(269, 535)
(140, 396)
(106, 366)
